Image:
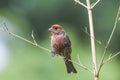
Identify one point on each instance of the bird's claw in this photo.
(53, 53)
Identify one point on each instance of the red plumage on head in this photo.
(56, 26)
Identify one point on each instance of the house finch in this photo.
(61, 45)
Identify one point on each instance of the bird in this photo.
(61, 45)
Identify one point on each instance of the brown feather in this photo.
(61, 45)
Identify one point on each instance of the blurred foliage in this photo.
(31, 63)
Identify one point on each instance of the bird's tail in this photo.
(69, 66)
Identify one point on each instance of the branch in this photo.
(21, 38)
(81, 65)
(110, 58)
(115, 25)
(89, 9)
(99, 42)
(94, 4)
(79, 2)
(108, 42)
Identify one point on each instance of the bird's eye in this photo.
(55, 28)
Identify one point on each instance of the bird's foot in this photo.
(65, 59)
(53, 53)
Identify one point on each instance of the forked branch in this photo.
(108, 42)
(79, 2)
(111, 57)
(94, 4)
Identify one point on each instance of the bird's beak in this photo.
(51, 29)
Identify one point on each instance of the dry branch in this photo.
(79, 2)
(90, 17)
(108, 42)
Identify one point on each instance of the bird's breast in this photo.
(57, 42)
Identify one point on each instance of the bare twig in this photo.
(113, 30)
(32, 35)
(21, 38)
(79, 59)
(81, 65)
(110, 58)
(94, 4)
(108, 42)
(79, 2)
(99, 42)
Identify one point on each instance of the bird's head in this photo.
(56, 29)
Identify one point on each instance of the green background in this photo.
(27, 62)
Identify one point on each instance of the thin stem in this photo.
(79, 2)
(95, 3)
(99, 42)
(113, 30)
(21, 38)
(110, 58)
(92, 39)
(82, 66)
(79, 64)
(108, 42)
(32, 35)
